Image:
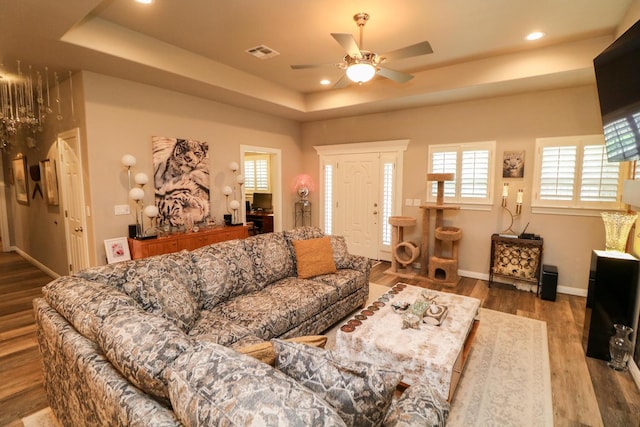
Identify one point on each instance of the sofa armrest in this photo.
(418, 405)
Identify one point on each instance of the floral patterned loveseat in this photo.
(159, 341)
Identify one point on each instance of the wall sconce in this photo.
(518, 211)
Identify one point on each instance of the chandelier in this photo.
(25, 101)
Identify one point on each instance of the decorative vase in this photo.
(620, 347)
(617, 226)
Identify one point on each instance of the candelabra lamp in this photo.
(136, 193)
(302, 209)
(518, 210)
(230, 191)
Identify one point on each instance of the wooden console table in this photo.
(190, 241)
(515, 258)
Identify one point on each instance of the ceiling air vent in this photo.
(262, 52)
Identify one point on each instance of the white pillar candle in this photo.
(505, 190)
(519, 197)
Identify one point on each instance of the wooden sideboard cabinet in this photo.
(190, 241)
(515, 258)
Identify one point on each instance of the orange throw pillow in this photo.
(314, 257)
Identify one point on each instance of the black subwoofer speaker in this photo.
(549, 282)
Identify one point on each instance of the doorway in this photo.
(361, 187)
(73, 202)
(274, 161)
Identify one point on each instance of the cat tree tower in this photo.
(403, 253)
(442, 267)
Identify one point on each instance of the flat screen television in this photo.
(617, 71)
(262, 202)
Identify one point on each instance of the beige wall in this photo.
(122, 116)
(514, 122)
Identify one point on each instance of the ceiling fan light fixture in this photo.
(361, 72)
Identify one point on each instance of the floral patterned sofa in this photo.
(159, 341)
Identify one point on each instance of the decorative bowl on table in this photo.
(400, 306)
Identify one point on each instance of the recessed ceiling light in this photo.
(536, 35)
(325, 82)
(144, 1)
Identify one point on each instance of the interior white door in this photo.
(73, 202)
(357, 208)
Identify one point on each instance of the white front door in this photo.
(357, 207)
(73, 200)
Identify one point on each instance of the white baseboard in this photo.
(36, 263)
(485, 276)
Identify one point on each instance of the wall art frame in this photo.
(117, 250)
(21, 179)
(513, 164)
(50, 181)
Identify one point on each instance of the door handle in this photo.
(78, 229)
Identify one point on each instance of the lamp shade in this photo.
(240, 179)
(361, 72)
(136, 194)
(128, 160)
(226, 190)
(151, 211)
(141, 178)
(234, 204)
(234, 166)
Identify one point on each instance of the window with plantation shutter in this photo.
(470, 164)
(256, 174)
(573, 172)
(328, 198)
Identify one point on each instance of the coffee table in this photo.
(432, 354)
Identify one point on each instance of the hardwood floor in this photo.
(21, 389)
(585, 391)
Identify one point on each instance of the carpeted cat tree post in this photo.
(442, 267)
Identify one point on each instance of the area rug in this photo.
(507, 379)
(42, 418)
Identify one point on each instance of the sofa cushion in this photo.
(360, 392)
(165, 285)
(214, 385)
(271, 257)
(278, 307)
(345, 281)
(84, 303)
(418, 406)
(302, 233)
(216, 328)
(110, 274)
(313, 257)
(264, 351)
(225, 271)
(340, 251)
(141, 346)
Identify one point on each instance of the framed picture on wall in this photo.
(20, 179)
(117, 250)
(50, 181)
(513, 164)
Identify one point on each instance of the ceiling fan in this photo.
(362, 65)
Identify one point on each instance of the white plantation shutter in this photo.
(558, 173)
(573, 172)
(474, 175)
(444, 162)
(387, 202)
(470, 162)
(328, 198)
(256, 174)
(621, 136)
(599, 177)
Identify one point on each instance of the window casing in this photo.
(472, 164)
(573, 173)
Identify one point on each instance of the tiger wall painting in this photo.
(181, 180)
(513, 164)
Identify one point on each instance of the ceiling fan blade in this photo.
(396, 76)
(304, 66)
(343, 82)
(348, 43)
(422, 48)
